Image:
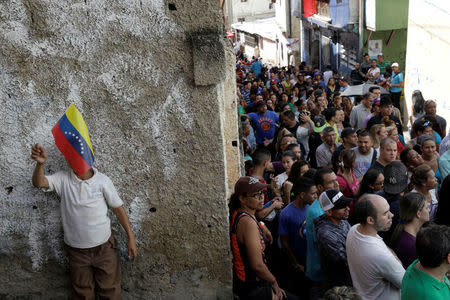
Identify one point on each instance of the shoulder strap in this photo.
(237, 218)
(347, 184)
(374, 156)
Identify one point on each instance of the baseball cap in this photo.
(376, 101)
(347, 131)
(248, 185)
(333, 199)
(395, 178)
(319, 123)
(394, 65)
(365, 54)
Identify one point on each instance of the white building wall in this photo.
(427, 50)
(251, 9)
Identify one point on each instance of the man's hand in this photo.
(132, 248)
(38, 153)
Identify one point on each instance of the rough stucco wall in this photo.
(156, 130)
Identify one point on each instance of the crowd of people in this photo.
(339, 200)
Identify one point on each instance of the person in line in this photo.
(361, 111)
(385, 111)
(324, 179)
(426, 277)
(425, 183)
(378, 132)
(331, 231)
(430, 111)
(388, 153)
(261, 162)
(394, 187)
(348, 183)
(375, 270)
(396, 85)
(414, 212)
(371, 183)
(264, 123)
(349, 140)
(325, 151)
(91, 246)
(429, 154)
(365, 154)
(249, 238)
(292, 232)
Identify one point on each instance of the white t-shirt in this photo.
(84, 207)
(281, 178)
(302, 137)
(376, 273)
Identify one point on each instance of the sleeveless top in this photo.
(242, 272)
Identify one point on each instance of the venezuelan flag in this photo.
(72, 139)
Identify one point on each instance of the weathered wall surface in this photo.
(134, 70)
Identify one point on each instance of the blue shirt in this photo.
(313, 270)
(256, 67)
(292, 223)
(264, 125)
(396, 79)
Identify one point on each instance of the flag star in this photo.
(82, 152)
(73, 134)
(70, 132)
(65, 132)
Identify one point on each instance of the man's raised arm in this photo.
(40, 156)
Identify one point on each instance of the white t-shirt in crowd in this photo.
(376, 273)
(84, 209)
(302, 137)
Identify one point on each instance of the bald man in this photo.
(376, 271)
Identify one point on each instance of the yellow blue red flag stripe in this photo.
(72, 139)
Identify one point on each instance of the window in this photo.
(241, 20)
(323, 8)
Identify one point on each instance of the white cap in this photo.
(394, 65)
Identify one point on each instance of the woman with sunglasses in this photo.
(249, 239)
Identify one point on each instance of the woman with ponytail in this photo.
(414, 212)
(249, 238)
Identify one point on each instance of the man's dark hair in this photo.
(367, 95)
(433, 245)
(328, 129)
(260, 155)
(328, 113)
(301, 185)
(364, 208)
(362, 132)
(244, 118)
(373, 88)
(311, 173)
(385, 101)
(318, 177)
(290, 114)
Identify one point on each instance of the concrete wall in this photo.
(428, 45)
(154, 84)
